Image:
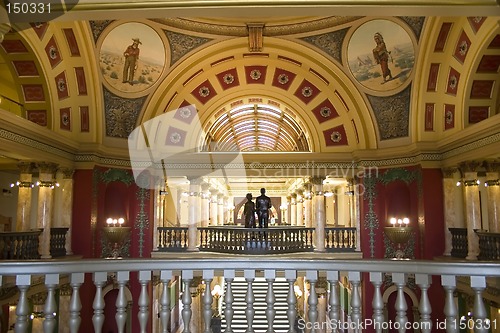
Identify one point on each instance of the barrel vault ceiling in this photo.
(63, 77)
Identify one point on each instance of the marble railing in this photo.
(400, 275)
(459, 242)
(19, 245)
(340, 239)
(172, 239)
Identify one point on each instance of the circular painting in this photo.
(381, 55)
(132, 57)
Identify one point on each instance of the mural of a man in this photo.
(381, 56)
(131, 55)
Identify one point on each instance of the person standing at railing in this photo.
(263, 206)
(249, 212)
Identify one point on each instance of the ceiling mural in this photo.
(132, 57)
(381, 55)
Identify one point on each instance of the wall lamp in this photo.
(470, 182)
(495, 182)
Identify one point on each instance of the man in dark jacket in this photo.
(263, 205)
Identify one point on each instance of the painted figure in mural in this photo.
(263, 207)
(131, 55)
(382, 56)
(249, 212)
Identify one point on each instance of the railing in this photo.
(256, 240)
(340, 239)
(58, 242)
(383, 274)
(459, 242)
(172, 239)
(19, 245)
(489, 245)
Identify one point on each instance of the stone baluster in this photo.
(208, 276)
(143, 301)
(291, 313)
(472, 207)
(23, 283)
(453, 206)
(399, 280)
(46, 184)
(449, 284)
(293, 209)
(165, 277)
(186, 313)
(100, 279)
(493, 190)
(312, 301)
(355, 280)
(319, 213)
(25, 186)
(193, 218)
(334, 300)
(376, 279)
(270, 276)
(121, 301)
(205, 204)
(75, 305)
(249, 299)
(478, 284)
(229, 299)
(49, 323)
(213, 207)
(425, 309)
(300, 207)
(66, 188)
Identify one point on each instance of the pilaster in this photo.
(472, 206)
(493, 190)
(46, 183)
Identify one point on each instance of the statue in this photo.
(249, 212)
(263, 205)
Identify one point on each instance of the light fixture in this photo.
(22, 184)
(494, 182)
(328, 194)
(111, 222)
(470, 182)
(49, 184)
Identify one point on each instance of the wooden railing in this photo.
(19, 245)
(58, 242)
(172, 239)
(256, 240)
(340, 239)
(489, 245)
(459, 243)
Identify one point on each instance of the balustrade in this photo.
(19, 245)
(251, 268)
(489, 245)
(172, 239)
(58, 242)
(459, 242)
(340, 239)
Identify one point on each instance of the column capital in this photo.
(470, 166)
(4, 27)
(26, 167)
(47, 167)
(449, 172)
(205, 186)
(67, 173)
(194, 180)
(492, 166)
(299, 191)
(293, 196)
(317, 180)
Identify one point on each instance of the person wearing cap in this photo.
(131, 55)
(381, 56)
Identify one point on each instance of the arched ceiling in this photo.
(455, 76)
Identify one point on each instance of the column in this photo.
(453, 208)
(220, 209)
(193, 218)
(45, 207)
(472, 206)
(205, 204)
(288, 210)
(319, 219)
(66, 187)
(214, 209)
(308, 205)
(300, 207)
(25, 185)
(293, 209)
(493, 191)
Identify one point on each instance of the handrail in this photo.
(275, 262)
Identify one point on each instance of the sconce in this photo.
(399, 233)
(470, 182)
(116, 234)
(22, 184)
